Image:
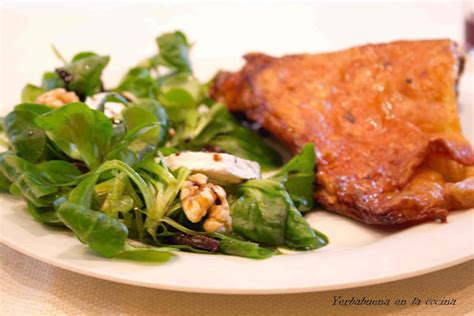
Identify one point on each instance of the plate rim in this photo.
(234, 291)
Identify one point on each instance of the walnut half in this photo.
(200, 198)
(56, 98)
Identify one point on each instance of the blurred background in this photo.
(221, 31)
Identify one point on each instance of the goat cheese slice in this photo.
(220, 168)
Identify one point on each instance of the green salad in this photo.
(152, 166)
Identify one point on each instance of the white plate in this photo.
(357, 255)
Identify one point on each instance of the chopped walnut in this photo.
(56, 98)
(200, 198)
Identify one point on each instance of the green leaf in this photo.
(111, 97)
(86, 72)
(15, 191)
(217, 127)
(50, 81)
(181, 95)
(182, 82)
(4, 141)
(58, 172)
(158, 111)
(4, 183)
(265, 213)
(27, 179)
(44, 215)
(115, 199)
(174, 51)
(165, 197)
(157, 169)
(244, 143)
(177, 99)
(83, 221)
(236, 247)
(144, 134)
(140, 83)
(166, 151)
(30, 93)
(298, 176)
(259, 213)
(118, 128)
(146, 254)
(82, 55)
(27, 139)
(103, 234)
(136, 117)
(299, 234)
(210, 124)
(38, 109)
(82, 133)
(84, 192)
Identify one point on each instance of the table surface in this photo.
(28, 286)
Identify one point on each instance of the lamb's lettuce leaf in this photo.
(45, 215)
(84, 74)
(298, 176)
(27, 179)
(174, 51)
(146, 254)
(30, 93)
(218, 128)
(144, 134)
(51, 80)
(140, 83)
(27, 139)
(236, 247)
(103, 234)
(80, 132)
(265, 213)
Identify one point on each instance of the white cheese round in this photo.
(220, 168)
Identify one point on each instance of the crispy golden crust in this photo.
(383, 118)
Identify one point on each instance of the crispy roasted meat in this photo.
(383, 118)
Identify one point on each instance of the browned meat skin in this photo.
(383, 118)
